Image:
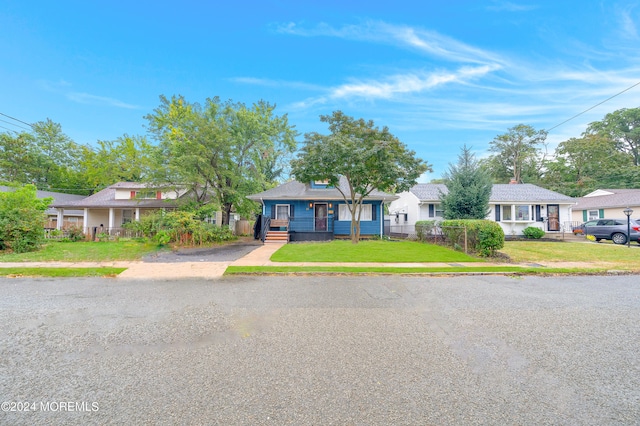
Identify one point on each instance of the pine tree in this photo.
(469, 189)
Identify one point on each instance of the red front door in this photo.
(553, 212)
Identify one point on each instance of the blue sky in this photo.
(438, 74)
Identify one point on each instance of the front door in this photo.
(553, 216)
(320, 211)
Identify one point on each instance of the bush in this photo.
(22, 217)
(75, 233)
(424, 228)
(533, 232)
(484, 237)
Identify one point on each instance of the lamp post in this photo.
(628, 212)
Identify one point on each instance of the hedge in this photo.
(484, 237)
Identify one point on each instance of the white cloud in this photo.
(86, 98)
(628, 29)
(511, 7)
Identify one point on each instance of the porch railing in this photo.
(310, 224)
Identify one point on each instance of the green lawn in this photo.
(84, 252)
(369, 251)
(269, 270)
(541, 251)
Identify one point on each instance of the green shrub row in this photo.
(425, 228)
(484, 237)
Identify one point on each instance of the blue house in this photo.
(295, 211)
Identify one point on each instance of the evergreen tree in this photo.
(469, 189)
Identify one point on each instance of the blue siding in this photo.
(303, 219)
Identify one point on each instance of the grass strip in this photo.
(25, 272)
(267, 270)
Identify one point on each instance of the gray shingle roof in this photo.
(618, 198)
(500, 193)
(106, 199)
(294, 190)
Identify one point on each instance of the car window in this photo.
(604, 222)
(591, 223)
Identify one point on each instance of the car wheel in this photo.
(619, 238)
(598, 239)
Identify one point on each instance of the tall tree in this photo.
(222, 148)
(128, 158)
(581, 165)
(469, 188)
(516, 153)
(623, 127)
(368, 157)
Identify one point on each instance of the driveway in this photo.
(321, 350)
(223, 253)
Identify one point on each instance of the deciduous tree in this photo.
(516, 153)
(368, 157)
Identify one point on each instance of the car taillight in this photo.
(636, 228)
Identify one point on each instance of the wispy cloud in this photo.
(266, 82)
(628, 29)
(63, 87)
(429, 43)
(508, 6)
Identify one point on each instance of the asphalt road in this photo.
(321, 350)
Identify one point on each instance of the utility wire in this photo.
(13, 118)
(13, 124)
(589, 109)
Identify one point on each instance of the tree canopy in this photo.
(368, 157)
(516, 153)
(221, 149)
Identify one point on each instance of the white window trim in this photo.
(344, 213)
(514, 217)
(288, 206)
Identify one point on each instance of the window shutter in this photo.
(158, 195)
(273, 211)
(432, 210)
(133, 194)
(374, 212)
(291, 210)
(584, 215)
(601, 214)
(497, 212)
(538, 212)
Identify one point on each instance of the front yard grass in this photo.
(60, 272)
(622, 257)
(369, 251)
(83, 251)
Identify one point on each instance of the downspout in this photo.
(382, 218)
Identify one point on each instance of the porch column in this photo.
(60, 218)
(112, 218)
(85, 221)
(137, 219)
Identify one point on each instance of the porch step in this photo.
(276, 237)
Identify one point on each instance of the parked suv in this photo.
(611, 229)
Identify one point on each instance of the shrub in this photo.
(484, 237)
(533, 232)
(424, 228)
(22, 217)
(75, 233)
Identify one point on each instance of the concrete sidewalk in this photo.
(257, 257)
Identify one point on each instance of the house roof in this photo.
(610, 198)
(294, 190)
(58, 197)
(107, 199)
(500, 193)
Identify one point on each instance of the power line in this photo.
(13, 124)
(589, 109)
(13, 118)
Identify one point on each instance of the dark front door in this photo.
(321, 217)
(553, 215)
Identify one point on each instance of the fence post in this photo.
(465, 240)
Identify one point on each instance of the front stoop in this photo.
(277, 237)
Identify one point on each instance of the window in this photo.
(522, 213)
(593, 214)
(282, 211)
(146, 195)
(127, 216)
(506, 213)
(345, 214)
(439, 210)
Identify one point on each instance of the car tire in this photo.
(619, 238)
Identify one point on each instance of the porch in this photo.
(296, 229)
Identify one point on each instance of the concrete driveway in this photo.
(490, 350)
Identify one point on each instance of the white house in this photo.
(513, 206)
